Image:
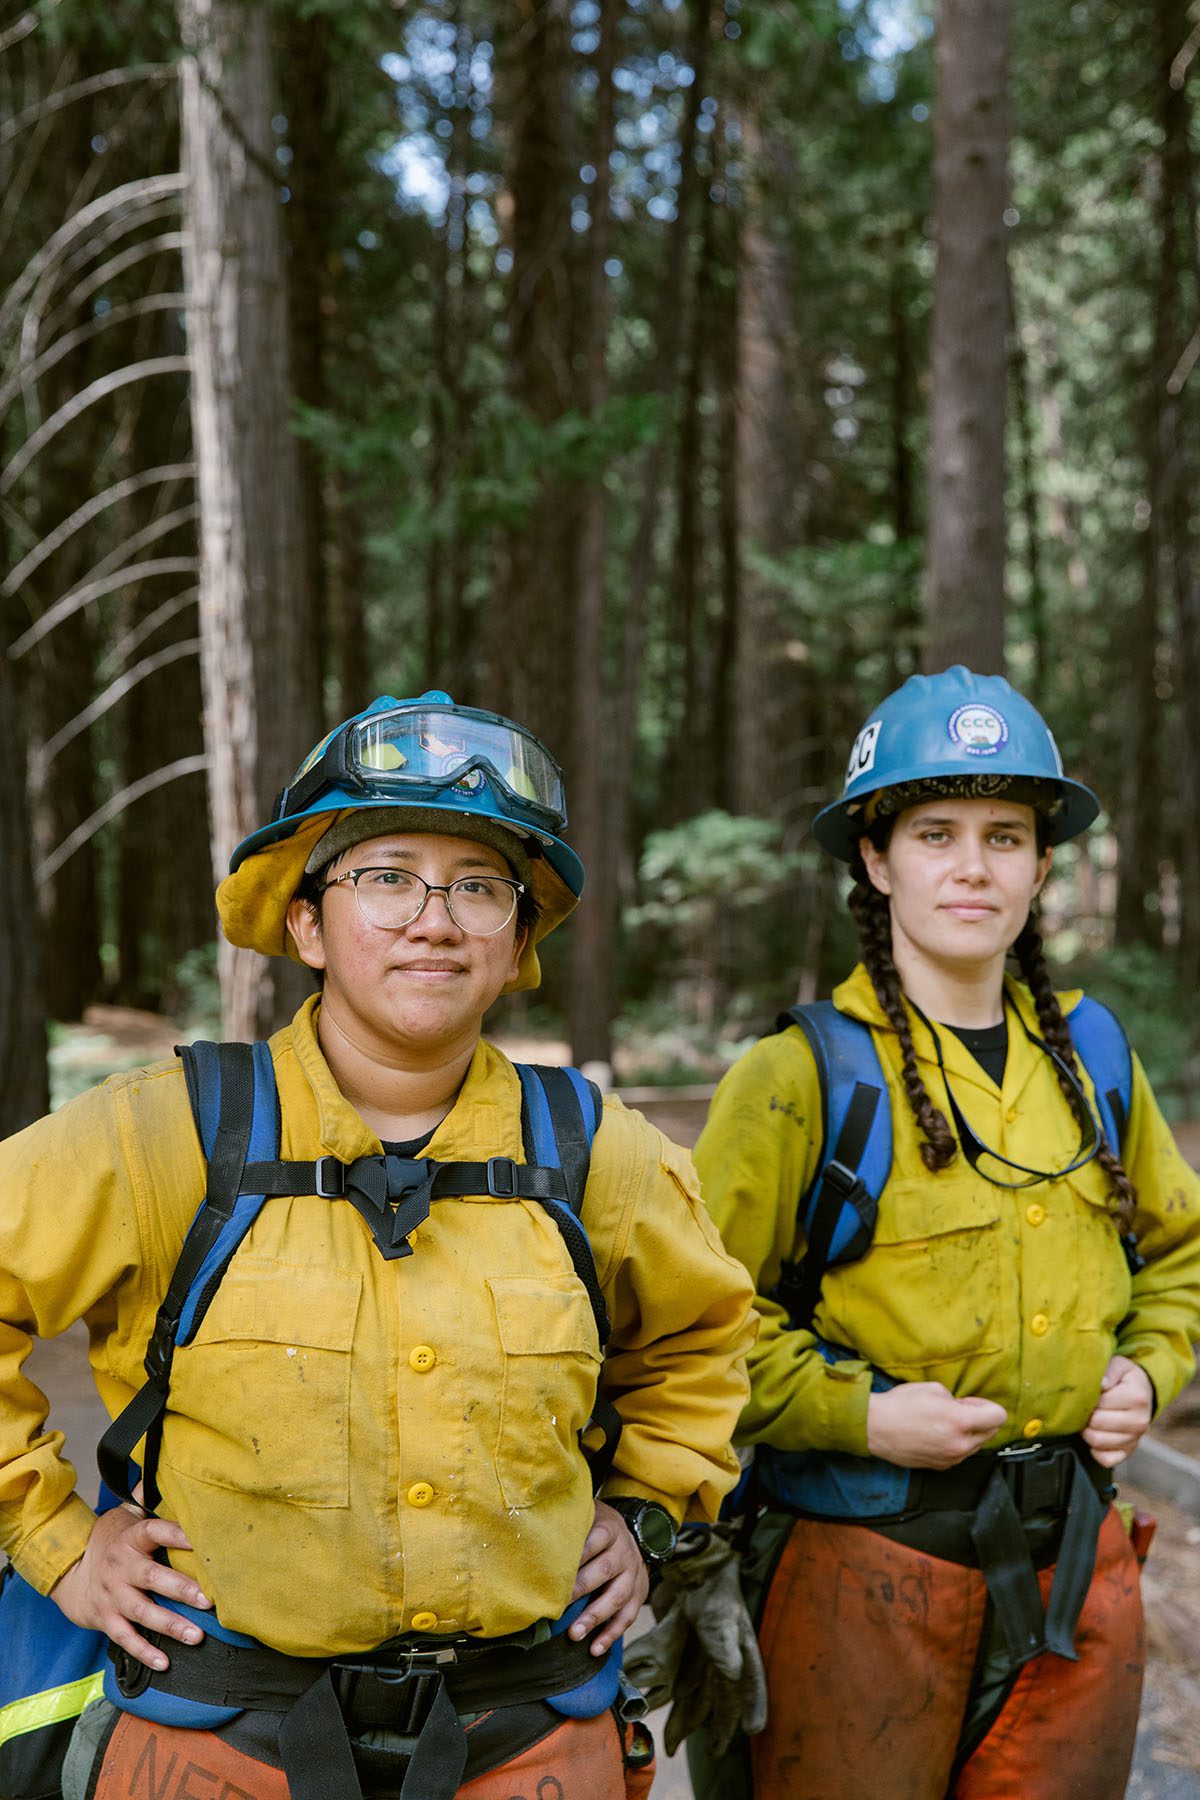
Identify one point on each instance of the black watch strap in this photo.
(653, 1529)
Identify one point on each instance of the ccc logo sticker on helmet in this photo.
(862, 755)
(981, 730)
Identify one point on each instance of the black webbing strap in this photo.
(406, 1690)
(800, 1288)
(999, 1538)
(1008, 1571)
(315, 1749)
(233, 1066)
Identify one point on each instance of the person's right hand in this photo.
(920, 1425)
(112, 1586)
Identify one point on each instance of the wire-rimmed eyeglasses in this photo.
(392, 898)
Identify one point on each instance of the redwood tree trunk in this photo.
(24, 1086)
(532, 558)
(769, 454)
(964, 600)
(256, 669)
(590, 991)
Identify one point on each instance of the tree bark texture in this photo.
(256, 667)
(965, 592)
(769, 455)
(307, 49)
(24, 1084)
(1173, 504)
(530, 648)
(590, 989)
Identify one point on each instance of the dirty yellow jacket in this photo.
(1021, 1296)
(355, 1447)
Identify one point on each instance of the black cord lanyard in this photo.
(973, 1147)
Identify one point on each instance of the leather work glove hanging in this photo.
(703, 1653)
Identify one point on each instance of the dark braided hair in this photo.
(1057, 1033)
(873, 917)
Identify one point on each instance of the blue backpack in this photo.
(838, 1210)
(49, 1668)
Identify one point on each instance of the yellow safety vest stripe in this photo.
(50, 1708)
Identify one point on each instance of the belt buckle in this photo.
(415, 1662)
(330, 1178)
(1019, 1452)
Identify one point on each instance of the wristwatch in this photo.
(654, 1530)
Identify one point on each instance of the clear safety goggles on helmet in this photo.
(422, 750)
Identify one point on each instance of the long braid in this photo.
(1057, 1033)
(873, 917)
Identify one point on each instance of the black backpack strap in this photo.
(220, 1085)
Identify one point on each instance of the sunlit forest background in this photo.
(675, 375)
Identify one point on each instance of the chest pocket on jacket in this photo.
(265, 1386)
(551, 1366)
(929, 1289)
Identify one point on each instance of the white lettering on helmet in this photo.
(862, 756)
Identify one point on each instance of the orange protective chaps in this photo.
(581, 1759)
(871, 1648)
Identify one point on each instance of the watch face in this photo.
(656, 1530)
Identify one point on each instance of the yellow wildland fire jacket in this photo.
(1019, 1295)
(355, 1447)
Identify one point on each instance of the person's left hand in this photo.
(1121, 1416)
(612, 1571)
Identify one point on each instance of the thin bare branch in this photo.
(79, 90)
(95, 590)
(116, 265)
(79, 403)
(125, 646)
(20, 179)
(98, 241)
(44, 754)
(1183, 60)
(158, 527)
(20, 28)
(91, 509)
(185, 765)
(1185, 365)
(71, 340)
(135, 194)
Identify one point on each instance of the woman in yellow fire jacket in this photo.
(952, 1603)
(370, 1458)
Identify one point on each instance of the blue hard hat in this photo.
(427, 754)
(429, 765)
(972, 731)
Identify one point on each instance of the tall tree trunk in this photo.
(307, 48)
(769, 456)
(24, 1084)
(904, 635)
(256, 669)
(668, 338)
(590, 992)
(532, 561)
(64, 794)
(1178, 270)
(1035, 599)
(964, 600)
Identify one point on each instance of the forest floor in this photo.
(1167, 1766)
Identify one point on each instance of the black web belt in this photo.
(417, 1691)
(1002, 1489)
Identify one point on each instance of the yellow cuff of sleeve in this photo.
(47, 1553)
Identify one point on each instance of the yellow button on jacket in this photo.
(957, 1267)
(301, 1424)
